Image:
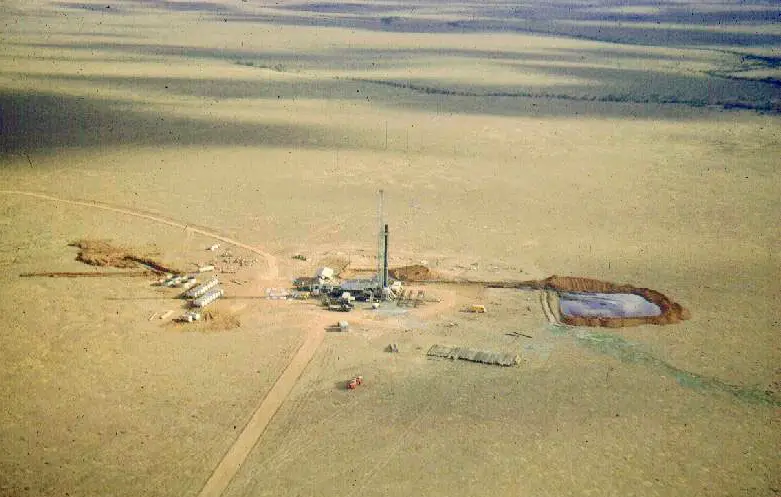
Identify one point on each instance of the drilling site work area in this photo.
(259, 249)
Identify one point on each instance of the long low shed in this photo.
(482, 356)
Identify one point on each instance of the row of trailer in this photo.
(205, 293)
(199, 295)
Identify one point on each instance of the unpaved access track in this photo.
(271, 261)
(238, 452)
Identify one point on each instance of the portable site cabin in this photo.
(201, 289)
(325, 274)
(208, 297)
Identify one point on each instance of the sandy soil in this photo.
(577, 141)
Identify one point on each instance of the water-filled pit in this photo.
(606, 305)
(589, 302)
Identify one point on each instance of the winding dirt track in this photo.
(253, 430)
(271, 261)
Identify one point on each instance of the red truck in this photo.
(353, 384)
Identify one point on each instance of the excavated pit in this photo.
(589, 302)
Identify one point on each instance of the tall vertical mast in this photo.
(380, 239)
(385, 259)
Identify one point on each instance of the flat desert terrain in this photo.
(629, 142)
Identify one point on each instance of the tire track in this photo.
(547, 309)
(229, 465)
(246, 441)
(271, 261)
(402, 443)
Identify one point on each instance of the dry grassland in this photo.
(636, 144)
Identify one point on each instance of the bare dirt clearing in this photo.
(614, 147)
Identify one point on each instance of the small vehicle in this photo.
(354, 383)
(340, 305)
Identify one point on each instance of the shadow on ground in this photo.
(40, 122)
(557, 22)
(660, 23)
(614, 76)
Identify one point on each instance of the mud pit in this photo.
(589, 302)
(617, 305)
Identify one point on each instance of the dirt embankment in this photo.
(672, 312)
(103, 253)
(416, 272)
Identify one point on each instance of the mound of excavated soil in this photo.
(672, 312)
(103, 253)
(416, 272)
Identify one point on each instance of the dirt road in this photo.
(237, 454)
(265, 411)
(271, 261)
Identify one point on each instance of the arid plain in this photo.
(635, 144)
